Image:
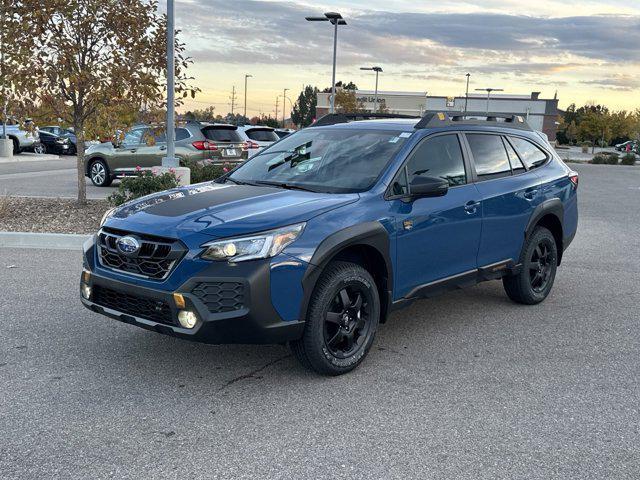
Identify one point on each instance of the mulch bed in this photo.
(26, 214)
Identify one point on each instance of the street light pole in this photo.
(489, 90)
(245, 94)
(466, 97)
(377, 70)
(170, 161)
(335, 19)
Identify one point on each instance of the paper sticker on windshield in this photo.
(394, 140)
(405, 134)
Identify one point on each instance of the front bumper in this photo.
(253, 320)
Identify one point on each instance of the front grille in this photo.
(137, 306)
(154, 260)
(220, 296)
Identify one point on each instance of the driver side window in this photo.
(133, 137)
(439, 157)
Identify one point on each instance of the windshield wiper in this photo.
(288, 186)
(237, 182)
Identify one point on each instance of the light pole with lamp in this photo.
(377, 70)
(335, 19)
(489, 90)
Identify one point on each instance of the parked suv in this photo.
(143, 146)
(317, 238)
(257, 137)
(24, 139)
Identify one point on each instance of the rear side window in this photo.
(182, 133)
(439, 157)
(516, 163)
(489, 155)
(262, 135)
(531, 155)
(221, 134)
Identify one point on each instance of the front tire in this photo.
(539, 264)
(99, 174)
(342, 320)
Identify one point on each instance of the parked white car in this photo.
(257, 137)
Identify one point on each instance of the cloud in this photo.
(272, 32)
(621, 82)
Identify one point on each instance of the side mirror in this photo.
(428, 187)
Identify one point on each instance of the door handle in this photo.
(531, 194)
(163, 147)
(133, 150)
(471, 207)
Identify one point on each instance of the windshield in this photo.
(326, 160)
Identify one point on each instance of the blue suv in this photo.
(315, 240)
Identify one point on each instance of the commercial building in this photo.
(541, 113)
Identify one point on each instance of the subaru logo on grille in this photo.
(128, 245)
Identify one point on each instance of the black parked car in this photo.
(55, 144)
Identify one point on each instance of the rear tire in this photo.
(16, 147)
(99, 173)
(539, 262)
(342, 320)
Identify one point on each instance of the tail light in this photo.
(249, 145)
(573, 176)
(204, 145)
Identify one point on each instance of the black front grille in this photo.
(220, 296)
(153, 260)
(137, 306)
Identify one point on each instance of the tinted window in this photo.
(180, 134)
(221, 134)
(531, 155)
(516, 163)
(262, 135)
(325, 159)
(438, 157)
(133, 137)
(489, 154)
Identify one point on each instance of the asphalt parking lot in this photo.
(50, 178)
(464, 386)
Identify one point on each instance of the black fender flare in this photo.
(371, 234)
(554, 207)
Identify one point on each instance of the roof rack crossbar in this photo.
(435, 119)
(335, 118)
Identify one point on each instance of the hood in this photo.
(221, 210)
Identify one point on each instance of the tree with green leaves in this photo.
(92, 53)
(594, 127)
(304, 110)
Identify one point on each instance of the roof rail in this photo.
(335, 118)
(442, 119)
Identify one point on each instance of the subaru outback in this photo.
(145, 146)
(315, 240)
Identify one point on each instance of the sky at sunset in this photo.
(584, 50)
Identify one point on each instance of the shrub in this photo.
(201, 172)
(628, 159)
(143, 183)
(606, 158)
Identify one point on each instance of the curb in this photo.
(49, 241)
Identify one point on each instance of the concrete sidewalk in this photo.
(54, 241)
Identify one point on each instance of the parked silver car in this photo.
(24, 140)
(257, 137)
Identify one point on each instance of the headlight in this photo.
(261, 245)
(106, 215)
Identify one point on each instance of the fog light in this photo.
(187, 318)
(86, 291)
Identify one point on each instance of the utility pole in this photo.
(276, 117)
(170, 160)
(245, 94)
(466, 96)
(284, 104)
(233, 99)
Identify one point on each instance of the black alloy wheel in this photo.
(347, 322)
